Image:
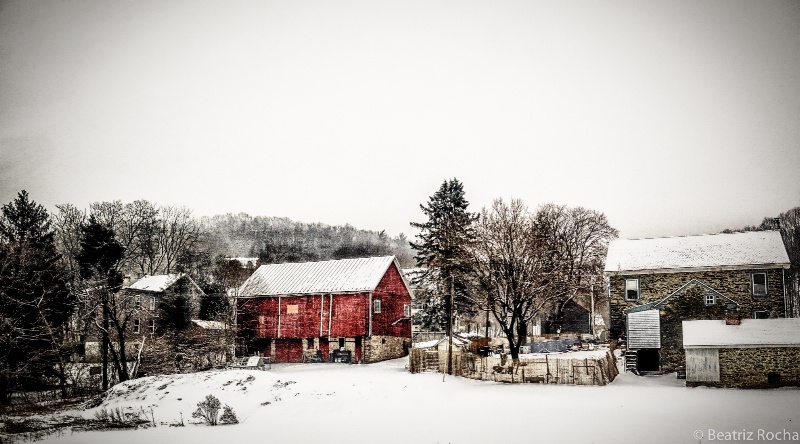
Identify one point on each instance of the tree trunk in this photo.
(105, 347)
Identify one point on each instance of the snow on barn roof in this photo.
(337, 276)
(158, 282)
(778, 332)
(753, 249)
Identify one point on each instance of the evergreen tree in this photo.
(35, 303)
(443, 249)
(98, 260)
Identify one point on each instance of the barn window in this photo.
(760, 314)
(136, 324)
(631, 289)
(291, 309)
(376, 306)
(151, 324)
(711, 299)
(138, 302)
(407, 310)
(152, 303)
(759, 284)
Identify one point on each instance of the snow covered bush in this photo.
(207, 410)
(228, 416)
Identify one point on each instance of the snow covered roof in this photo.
(457, 342)
(337, 276)
(753, 249)
(209, 325)
(158, 282)
(779, 332)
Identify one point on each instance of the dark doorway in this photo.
(648, 360)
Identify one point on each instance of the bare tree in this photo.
(576, 241)
(512, 272)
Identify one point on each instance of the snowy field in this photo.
(383, 403)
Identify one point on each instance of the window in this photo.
(136, 325)
(152, 303)
(407, 310)
(631, 289)
(711, 299)
(291, 309)
(376, 306)
(310, 343)
(759, 284)
(760, 314)
(138, 303)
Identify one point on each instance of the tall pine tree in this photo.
(99, 261)
(35, 303)
(443, 249)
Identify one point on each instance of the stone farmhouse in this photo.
(348, 309)
(753, 353)
(655, 284)
(146, 294)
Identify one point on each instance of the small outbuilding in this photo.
(751, 353)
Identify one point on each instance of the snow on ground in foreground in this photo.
(383, 403)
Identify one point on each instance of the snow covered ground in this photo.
(383, 403)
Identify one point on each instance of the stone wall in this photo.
(381, 348)
(734, 284)
(690, 304)
(750, 367)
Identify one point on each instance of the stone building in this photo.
(753, 353)
(361, 307)
(655, 284)
(147, 293)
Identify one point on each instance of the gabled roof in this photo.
(337, 276)
(779, 332)
(753, 249)
(160, 282)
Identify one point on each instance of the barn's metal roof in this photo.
(337, 276)
(752, 249)
(778, 332)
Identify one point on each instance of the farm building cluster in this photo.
(712, 308)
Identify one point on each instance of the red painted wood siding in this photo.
(393, 296)
(289, 350)
(350, 317)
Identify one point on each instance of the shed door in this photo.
(702, 365)
(644, 329)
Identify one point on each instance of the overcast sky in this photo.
(671, 117)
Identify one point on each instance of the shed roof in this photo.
(753, 249)
(779, 332)
(337, 276)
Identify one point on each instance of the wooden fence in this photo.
(560, 368)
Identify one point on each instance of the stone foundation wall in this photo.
(735, 284)
(381, 348)
(749, 367)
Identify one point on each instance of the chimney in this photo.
(732, 314)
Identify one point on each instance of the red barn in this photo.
(361, 306)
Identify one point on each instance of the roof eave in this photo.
(697, 269)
